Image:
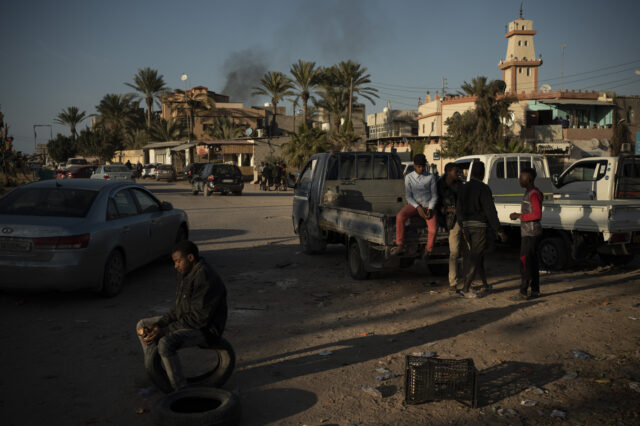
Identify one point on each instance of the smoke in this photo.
(243, 71)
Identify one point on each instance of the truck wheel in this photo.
(309, 244)
(355, 262)
(438, 269)
(553, 254)
(616, 260)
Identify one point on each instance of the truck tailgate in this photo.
(369, 226)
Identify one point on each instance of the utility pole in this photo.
(564, 46)
(350, 101)
(444, 84)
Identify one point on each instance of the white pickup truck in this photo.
(574, 227)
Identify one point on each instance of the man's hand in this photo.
(152, 334)
(503, 236)
(428, 214)
(514, 216)
(422, 213)
(451, 210)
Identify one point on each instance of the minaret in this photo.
(520, 67)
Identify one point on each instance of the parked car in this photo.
(76, 162)
(113, 172)
(149, 171)
(192, 170)
(83, 233)
(218, 177)
(166, 172)
(75, 172)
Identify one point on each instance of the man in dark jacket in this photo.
(448, 186)
(198, 317)
(475, 211)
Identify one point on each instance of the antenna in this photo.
(521, 10)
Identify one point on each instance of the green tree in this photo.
(167, 130)
(344, 138)
(513, 145)
(101, 143)
(351, 75)
(417, 147)
(117, 113)
(61, 148)
(191, 102)
(306, 78)
(224, 129)
(303, 144)
(151, 86)
(461, 138)
(136, 138)
(277, 86)
(71, 117)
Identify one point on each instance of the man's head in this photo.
(419, 163)
(451, 171)
(527, 177)
(477, 170)
(185, 255)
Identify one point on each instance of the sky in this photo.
(62, 53)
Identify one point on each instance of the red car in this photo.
(75, 172)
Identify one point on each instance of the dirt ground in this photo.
(308, 337)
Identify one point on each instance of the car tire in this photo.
(553, 254)
(355, 262)
(197, 407)
(113, 277)
(217, 374)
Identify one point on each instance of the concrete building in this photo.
(392, 123)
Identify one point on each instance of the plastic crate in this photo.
(434, 379)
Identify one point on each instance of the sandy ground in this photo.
(73, 358)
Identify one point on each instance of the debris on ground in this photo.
(570, 375)
(536, 390)
(424, 354)
(609, 309)
(287, 283)
(506, 412)
(528, 402)
(634, 386)
(382, 370)
(580, 354)
(142, 410)
(387, 377)
(325, 353)
(559, 413)
(371, 391)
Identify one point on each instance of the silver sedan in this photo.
(83, 233)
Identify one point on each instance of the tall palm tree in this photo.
(306, 78)
(224, 129)
(190, 102)
(71, 117)
(303, 144)
(277, 86)
(150, 85)
(334, 100)
(352, 75)
(117, 112)
(167, 130)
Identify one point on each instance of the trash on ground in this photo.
(325, 353)
(528, 402)
(603, 381)
(371, 391)
(600, 358)
(382, 370)
(633, 318)
(146, 391)
(580, 354)
(506, 412)
(559, 413)
(424, 354)
(634, 386)
(536, 390)
(387, 377)
(366, 333)
(570, 375)
(142, 410)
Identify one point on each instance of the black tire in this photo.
(355, 263)
(438, 269)
(197, 407)
(218, 374)
(553, 254)
(309, 244)
(114, 270)
(616, 260)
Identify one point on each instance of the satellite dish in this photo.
(605, 143)
(183, 77)
(545, 88)
(595, 143)
(267, 104)
(249, 131)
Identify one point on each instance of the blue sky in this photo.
(63, 53)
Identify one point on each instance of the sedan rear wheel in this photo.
(113, 279)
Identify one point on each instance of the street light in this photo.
(637, 72)
(184, 78)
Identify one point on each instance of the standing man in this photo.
(198, 317)
(448, 186)
(421, 194)
(475, 211)
(530, 231)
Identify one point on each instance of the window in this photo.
(524, 27)
(423, 128)
(512, 168)
(380, 167)
(519, 43)
(347, 166)
(528, 70)
(585, 171)
(60, 202)
(526, 43)
(160, 158)
(365, 167)
(125, 204)
(464, 167)
(432, 125)
(332, 168)
(307, 175)
(147, 203)
(112, 210)
(519, 70)
(630, 116)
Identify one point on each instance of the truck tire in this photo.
(308, 243)
(616, 260)
(197, 407)
(553, 253)
(355, 262)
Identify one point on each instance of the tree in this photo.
(352, 75)
(306, 78)
(101, 143)
(460, 139)
(61, 148)
(136, 138)
(191, 102)
(167, 130)
(303, 144)
(150, 85)
(277, 86)
(333, 101)
(117, 112)
(344, 139)
(224, 129)
(71, 117)
(514, 145)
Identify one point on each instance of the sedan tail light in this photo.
(106, 177)
(58, 243)
(210, 178)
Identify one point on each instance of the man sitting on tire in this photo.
(198, 317)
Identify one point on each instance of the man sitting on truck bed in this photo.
(421, 194)
(475, 210)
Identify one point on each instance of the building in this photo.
(392, 123)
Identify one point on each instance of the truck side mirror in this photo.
(554, 179)
(291, 181)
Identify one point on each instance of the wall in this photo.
(132, 155)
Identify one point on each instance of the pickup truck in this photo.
(573, 229)
(352, 198)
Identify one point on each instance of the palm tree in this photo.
(167, 130)
(191, 102)
(71, 117)
(303, 144)
(150, 85)
(306, 78)
(117, 112)
(277, 86)
(334, 101)
(224, 129)
(352, 75)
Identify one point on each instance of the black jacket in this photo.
(447, 199)
(201, 302)
(475, 203)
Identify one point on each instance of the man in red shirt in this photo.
(530, 232)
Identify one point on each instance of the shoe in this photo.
(453, 290)
(519, 297)
(488, 288)
(397, 250)
(468, 294)
(534, 295)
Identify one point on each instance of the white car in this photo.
(117, 172)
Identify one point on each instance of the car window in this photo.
(115, 169)
(396, 168)
(112, 210)
(380, 167)
(585, 171)
(125, 204)
(538, 165)
(60, 202)
(464, 166)
(147, 203)
(332, 168)
(307, 175)
(364, 168)
(99, 170)
(347, 166)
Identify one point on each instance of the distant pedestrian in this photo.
(128, 164)
(475, 211)
(448, 186)
(530, 231)
(422, 195)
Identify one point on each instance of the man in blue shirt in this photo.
(421, 194)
